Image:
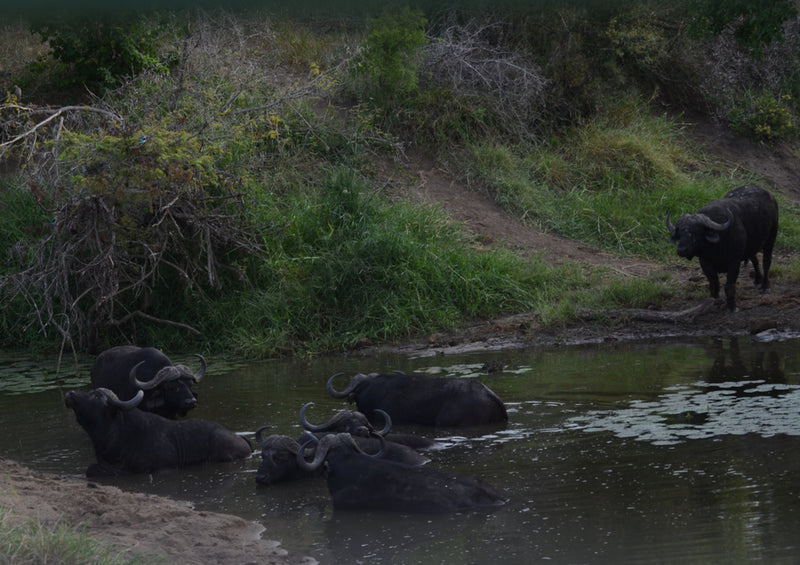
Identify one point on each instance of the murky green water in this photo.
(628, 453)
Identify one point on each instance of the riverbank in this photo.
(148, 528)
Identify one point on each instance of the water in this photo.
(624, 453)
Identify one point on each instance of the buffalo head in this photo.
(693, 231)
(171, 387)
(95, 409)
(329, 443)
(278, 458)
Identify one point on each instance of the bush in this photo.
(385, 73)
(97, 53)
(142, 226)
(764, 118)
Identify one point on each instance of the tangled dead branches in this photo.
(464, 60)
(106, 256)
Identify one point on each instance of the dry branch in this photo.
(50, 114)
(465, 61)
(644, 315)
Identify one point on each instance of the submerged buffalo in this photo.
(127, 440)
(167, 387)
(279, 452)
(727, 232)
(419, 399)
(358, 425)
(359, 481)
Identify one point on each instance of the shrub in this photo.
(385, 73)
(764, 117)
(145, 224)
(98, 52)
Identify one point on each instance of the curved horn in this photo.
(320, 453)
(388, 422)
(259, 431)
(670, 227)
(380, 451)
(711, 224)
(354, 382)
(202, 370)
(159, 377)
(307, 425)
(114, 400)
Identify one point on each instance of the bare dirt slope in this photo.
(168, 530)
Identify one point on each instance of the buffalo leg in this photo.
(713, 279)
(730, 286)
(757, 279)
(766, 258)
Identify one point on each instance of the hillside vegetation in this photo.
(234, 180)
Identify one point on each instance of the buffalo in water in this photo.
(167, 387)
(359, 481)
(279, 452)
(727, 232)
(358, 425)
(423, 400)
(127, 440)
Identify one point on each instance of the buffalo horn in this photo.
(388, 422)
(308, 425)
(670, 227)
(168, 373)
(320, 452)
(356, 380)
(114, 400)
(711, 224)
(259, 431)
(325, 444)
(202, 370)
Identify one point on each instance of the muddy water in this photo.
(626, 453)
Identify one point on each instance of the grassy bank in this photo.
(239, 191)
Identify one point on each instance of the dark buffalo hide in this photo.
(357, 481)
(727, 232)
(424, 400)
(127, 440)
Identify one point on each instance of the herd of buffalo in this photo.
(133, 414)
(133, 419)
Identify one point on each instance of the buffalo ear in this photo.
(712, 237)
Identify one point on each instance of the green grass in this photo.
(350, 265)
(611, 183)
(33, 542)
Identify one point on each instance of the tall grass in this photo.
(349, 265)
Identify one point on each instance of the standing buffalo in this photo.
(726, 232)
(359, 481)
(127, 440)
(127, 369)
(419, 399)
